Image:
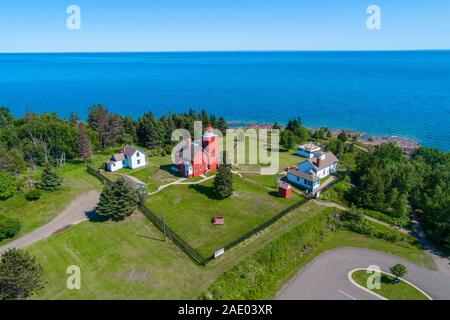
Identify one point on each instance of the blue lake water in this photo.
(383, 93)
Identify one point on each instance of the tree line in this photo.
(387, 181)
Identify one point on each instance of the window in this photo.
(123, 162)
(139, 161)
(137, 154)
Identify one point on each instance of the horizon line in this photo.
(218, 51)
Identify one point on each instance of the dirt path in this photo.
(74, 213)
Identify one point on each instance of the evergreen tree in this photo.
(84, 145)
(129, 126)
(109, 127)
(223, 182)
(118, 200)
(149, 132)
(74, 118)
(276, 126)
(50, 180)
(222, 125)
(20, 275)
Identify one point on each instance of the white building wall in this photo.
(115, 166)
(137, 160)
(301, 182)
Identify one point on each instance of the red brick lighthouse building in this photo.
(199, 157)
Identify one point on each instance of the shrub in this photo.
(33, 195)
(399, 270)
(354, 221)
(9, 227)
(8, 186)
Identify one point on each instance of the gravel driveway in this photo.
(74, 213)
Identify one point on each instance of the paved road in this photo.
(326, 278)
(74, 213)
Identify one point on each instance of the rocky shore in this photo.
(406, 144)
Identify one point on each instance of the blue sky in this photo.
(191, 25)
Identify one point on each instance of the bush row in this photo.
(354, 221)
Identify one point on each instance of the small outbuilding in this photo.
(218, 220)
(284, 189)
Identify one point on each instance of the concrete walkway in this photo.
(182, 181)
(74, 213)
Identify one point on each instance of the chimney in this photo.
(318, 162)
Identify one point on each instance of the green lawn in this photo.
(188, 210)
(128, 260)
(156, 174)
(268, 181)
(34, 214)
(389, 289)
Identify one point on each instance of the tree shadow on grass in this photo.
(205, 190)
(94, 217)
(387, 280)
(168, 168)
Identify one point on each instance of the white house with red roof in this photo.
(312, 170)
(129, 158)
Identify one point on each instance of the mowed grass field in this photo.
(156, 173)
(188, 210)
(34, 214)
(128, 260)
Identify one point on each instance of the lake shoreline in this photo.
(408, 145)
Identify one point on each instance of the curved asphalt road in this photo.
(326, 277)
(76, 212)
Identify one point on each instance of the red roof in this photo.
(209, 128)
(129, 150)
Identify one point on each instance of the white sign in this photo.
(218, 253)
